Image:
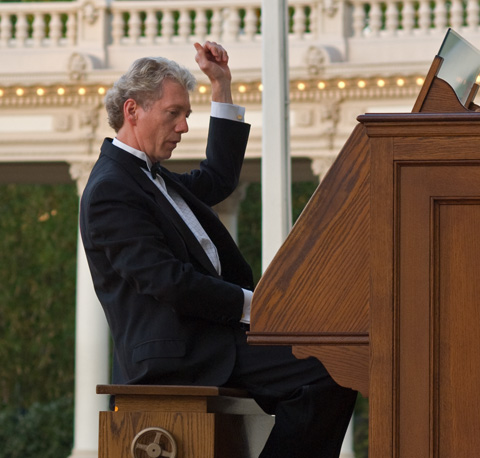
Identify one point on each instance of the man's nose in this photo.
(182, 126)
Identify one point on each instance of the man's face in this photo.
(159, 128)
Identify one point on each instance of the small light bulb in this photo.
(20, 91)
(361, 84)
(321, 85)
(82, 91)
(341, 84)
(61, 91)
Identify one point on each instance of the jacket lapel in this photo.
(136, 167)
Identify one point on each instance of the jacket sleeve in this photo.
(133, 249)
(219, 173)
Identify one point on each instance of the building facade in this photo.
(345, 58)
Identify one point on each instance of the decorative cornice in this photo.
(305, 90)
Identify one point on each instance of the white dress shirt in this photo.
(218, 110)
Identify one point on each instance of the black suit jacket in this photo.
(172, 317)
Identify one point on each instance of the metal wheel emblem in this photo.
(153, 443)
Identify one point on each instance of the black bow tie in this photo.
(156, 170)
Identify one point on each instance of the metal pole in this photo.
(276, 179)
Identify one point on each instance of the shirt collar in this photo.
(135, 152)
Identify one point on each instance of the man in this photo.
(175, 288)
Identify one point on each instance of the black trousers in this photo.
(312, 411)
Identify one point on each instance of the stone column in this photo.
(320, 167)
(92, 361)
(228, 210)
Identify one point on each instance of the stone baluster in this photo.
(299, 21)
(375, 18)
(117, 27)
(232, 24)
(359, 18)
(72, 28)
(440, 15)
(38, 29)
(424, 13)
(391, 16)
(250, 23)
(473, 10)
(456, 15)
(184, 25)
(21, 30)
(201, 25)
(408, 14)
(5, 29)
(134, 27)
(168, 25)
(314, 17)
(151, 26)
(217, 20)
(55, 29)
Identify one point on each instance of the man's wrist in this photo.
(222, 92)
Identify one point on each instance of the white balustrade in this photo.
(137, 23)
(37, 24)
(376, 18)
(141, 22)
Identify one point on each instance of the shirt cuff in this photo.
(228, 111)
(247, 300)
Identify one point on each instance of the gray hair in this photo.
(143, 83)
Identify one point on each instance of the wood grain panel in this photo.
(347, 365)
(193, 433)
(457, 329)
(383, 206)
(438, 326)
(318, 283)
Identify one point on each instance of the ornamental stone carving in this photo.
(78, 66)
(90, 13)
(316, 60)
(89, 118)
(329, 118)
(330, 7)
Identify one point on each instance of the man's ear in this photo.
(130, 108)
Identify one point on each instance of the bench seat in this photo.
(153, 421)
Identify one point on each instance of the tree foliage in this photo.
(38, 243)
(38, 237)
(250, 220)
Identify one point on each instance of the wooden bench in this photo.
(153, 421)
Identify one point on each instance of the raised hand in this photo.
(212, 60)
